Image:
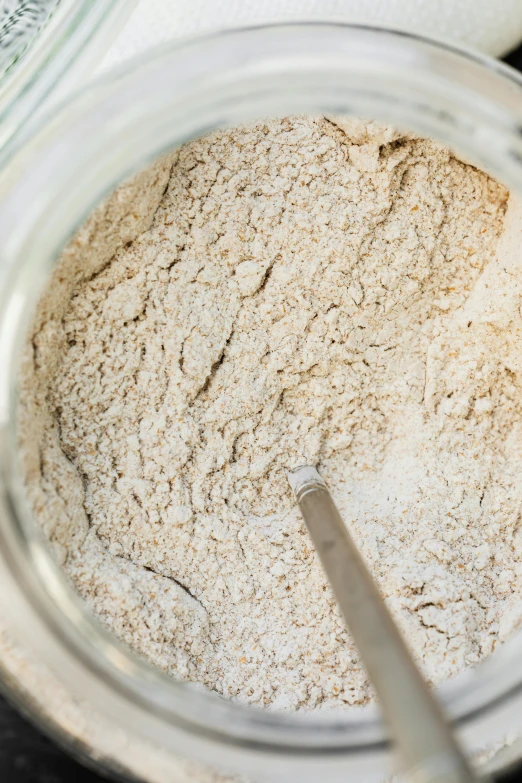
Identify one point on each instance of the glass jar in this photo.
(58, 663)
(46, 47)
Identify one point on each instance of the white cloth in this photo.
(493, 26)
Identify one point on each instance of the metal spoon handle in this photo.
(416, 720)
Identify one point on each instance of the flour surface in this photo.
(302, 290)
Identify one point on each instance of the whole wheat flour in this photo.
(297, 290)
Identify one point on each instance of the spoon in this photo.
(424, 737)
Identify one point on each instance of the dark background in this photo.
(26, 756)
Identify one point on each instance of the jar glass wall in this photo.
(108, 132)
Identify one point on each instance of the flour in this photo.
(304, 290)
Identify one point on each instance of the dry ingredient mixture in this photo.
(297, 290)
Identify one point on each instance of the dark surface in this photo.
(26, 756)
(515, 59)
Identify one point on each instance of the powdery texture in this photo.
(306, 290)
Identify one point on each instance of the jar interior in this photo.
(102, 268)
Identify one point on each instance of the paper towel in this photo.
(493, 26)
